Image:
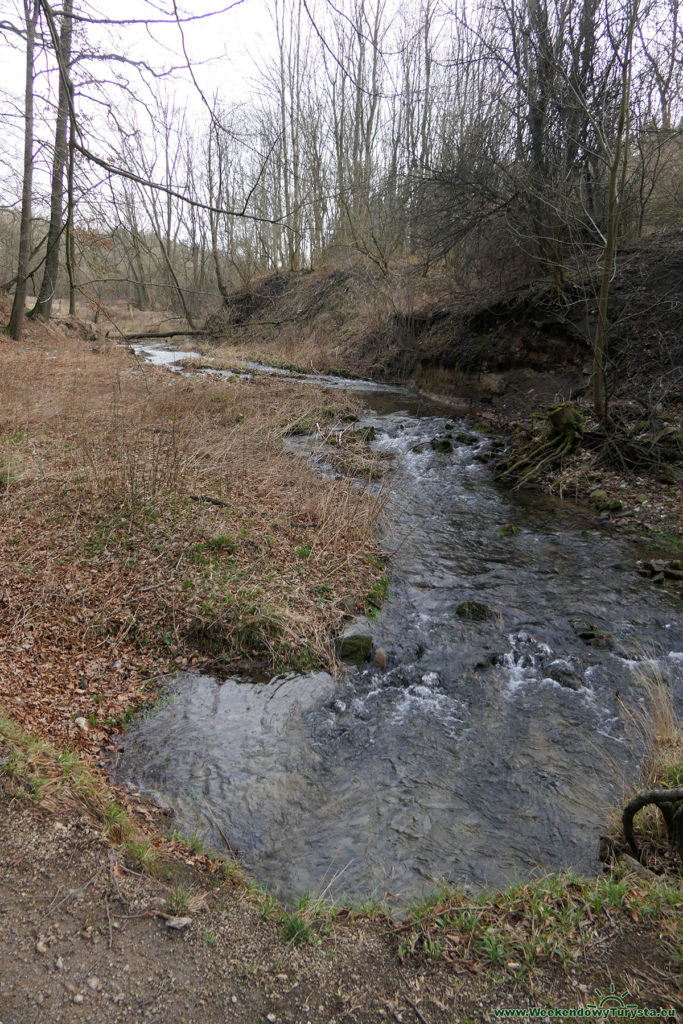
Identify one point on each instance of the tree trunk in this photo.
(16, 321)
(614, 200)
(43, 306)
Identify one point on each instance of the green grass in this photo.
(377, 596)
(294, 930)
(557, 917)
(178, 901)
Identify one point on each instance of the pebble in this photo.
(179, 922)
(94, 983)
(78, 998)
(41, 946)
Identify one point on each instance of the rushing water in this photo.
(483, 749)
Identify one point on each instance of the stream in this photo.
(483, 750)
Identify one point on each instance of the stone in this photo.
(178, 923)
(565, 677)
(81, 723)
(441, 444)
(379, 657)
(356, 648)
(599, 499)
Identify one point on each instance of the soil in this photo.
(86, 937)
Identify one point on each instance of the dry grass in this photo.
(150, 520)
(653, 726)
(335, 317)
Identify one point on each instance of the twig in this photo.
(106, 907)
(71, 892)
(416, 1011)
(156, 586)
(218, 826)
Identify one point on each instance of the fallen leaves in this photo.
(113, 574)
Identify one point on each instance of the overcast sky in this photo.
(222, 47)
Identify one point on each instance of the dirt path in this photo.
(86, 938)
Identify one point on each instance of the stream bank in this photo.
(80, 920)
(485, 745)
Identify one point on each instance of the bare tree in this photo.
(48, 285)
(31, 13)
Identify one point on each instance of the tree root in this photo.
(527, 463)
(670, 803)
(655, 449)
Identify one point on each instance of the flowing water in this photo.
(484, 749)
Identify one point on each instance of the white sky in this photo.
(223, 48)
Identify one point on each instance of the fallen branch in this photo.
(165, 334)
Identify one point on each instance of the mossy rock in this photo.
(356, 648)
(302, 429)
(565, 421)
(464, 438)
(366, 434)
(476, 611)
(418, 449)
(509, 530)
(441, 444)
(600, 499)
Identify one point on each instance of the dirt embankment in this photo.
(506, 361)
(513, 353)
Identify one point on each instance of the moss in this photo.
(473, 610)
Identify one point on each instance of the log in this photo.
(164, 334)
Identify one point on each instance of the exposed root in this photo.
(670, 803)
(529, 461)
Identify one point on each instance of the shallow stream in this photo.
(484, 749)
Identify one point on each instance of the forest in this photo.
(500, 142)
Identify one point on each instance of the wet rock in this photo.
(441, 444)
(565, 676)
(356, 648)
(418, 449)
(466, 438)
(593, 635)
(379, 657)
(508, 530)
(474, 610)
